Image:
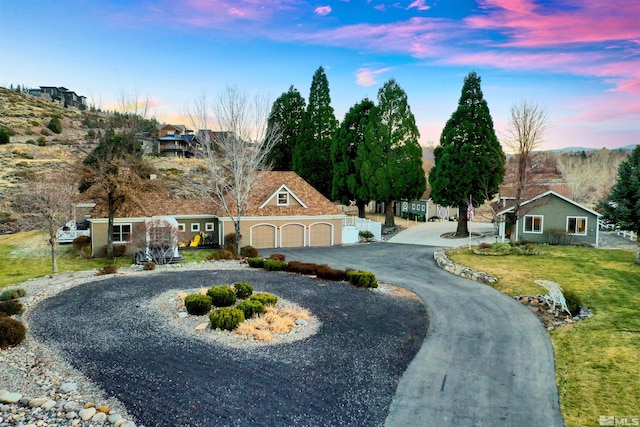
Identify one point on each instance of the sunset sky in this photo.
(580, 59)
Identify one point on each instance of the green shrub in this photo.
(362, 279)
(255, 262)
(222, 254)
(365, 234)
(274, 265)
(243, 290)
(5, 138)
(264, 298)
(12, 332)
(279, 257)
(227, 318)
(55, 125)
(11, 307)
(222, 295)
(149, 266)
(327, 273)
(250, 308)
(13, 294)
(197, 304)
(108, 269)
(573, 301)
(248, 252)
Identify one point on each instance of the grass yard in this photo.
(26, 255)
(598, 359)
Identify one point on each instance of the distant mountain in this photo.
(589, 149)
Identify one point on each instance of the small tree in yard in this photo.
(622, 206)
(469, 162)
(237, 151)
(51, 199)
(159, 241)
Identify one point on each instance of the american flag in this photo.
(469, 209)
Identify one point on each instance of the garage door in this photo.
(320, 235)
(292, 236)
(263, 236)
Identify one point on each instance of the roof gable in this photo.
(275, 195)
(551, 193)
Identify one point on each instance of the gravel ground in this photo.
(345, 374)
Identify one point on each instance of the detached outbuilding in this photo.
(550, 218)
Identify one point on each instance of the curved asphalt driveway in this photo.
(487, 360)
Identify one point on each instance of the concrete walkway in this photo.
(429, 233)
(487, 360)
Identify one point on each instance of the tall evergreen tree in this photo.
(347, 182)
(312, 155)
(391, 156)
(469, 162)
(622, 206)
(287, 114)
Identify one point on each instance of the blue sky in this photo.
(579, 59)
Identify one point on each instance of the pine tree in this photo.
(391, 156)
(287, 114)
(622, 206)
(312, 155)
(469, 162)
(347, 184)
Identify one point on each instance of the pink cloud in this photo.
(419, 4)
(322, 10)
(367, 76)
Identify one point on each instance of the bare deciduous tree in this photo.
(235, 147)
(526, 126)
(159, 241)
(51, 201)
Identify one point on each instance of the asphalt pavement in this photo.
(487, 361)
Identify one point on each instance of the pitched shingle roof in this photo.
(158, 203)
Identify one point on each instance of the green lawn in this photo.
(598, 359)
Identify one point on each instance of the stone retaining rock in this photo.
(445, 263)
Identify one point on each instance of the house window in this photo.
(283, 198)
(181, 227)
(121, 233)
(577, 225)
(413, 206)
(209, 226)
(195, 227)
(533, 224)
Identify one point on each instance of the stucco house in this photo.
(283, 210)
(549, 218)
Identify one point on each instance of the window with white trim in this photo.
(181, 227)
(413, 206)
(533, 224)
(209, 226)
(195, 227)
(121, 233)
(283, 198)
(577, 225)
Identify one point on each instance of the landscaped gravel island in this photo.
(343, 373)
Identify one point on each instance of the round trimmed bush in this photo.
(13, 294)
(264, 298)
(226, 318)
(197, 305)
(250, 308)
(220, 255)
(149, 266)
(222, 295)
(243, 290)
(274, 265)
(249, 252)
(11, 307)
(12, 332)
(255, 262)
(362, 279)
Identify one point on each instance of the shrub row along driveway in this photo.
(346, 374)
(487, 360)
